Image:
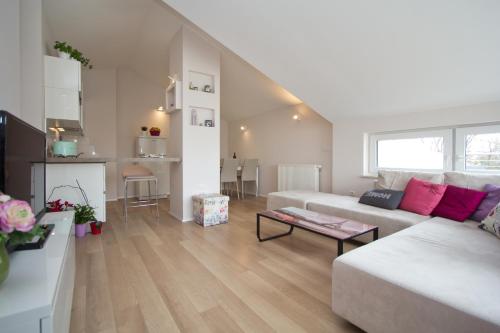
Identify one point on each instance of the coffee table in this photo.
(334, 227)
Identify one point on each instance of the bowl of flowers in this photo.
(154, 131)
(17, 226)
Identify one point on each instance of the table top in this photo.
(328, 225)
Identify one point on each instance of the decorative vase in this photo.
(4, 262)
(95, 228)
(80, 230)
(63, 55)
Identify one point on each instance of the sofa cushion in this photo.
(388, 221)
(397, 180)
(488, 203)
(422, 197)
(458, 203)
(468, 180)
(437, 276)
(387, 199)
(299, 199)
(492, 222)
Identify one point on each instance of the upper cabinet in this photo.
(62, 73)
(63, 93)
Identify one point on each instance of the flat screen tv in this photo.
(22, 162)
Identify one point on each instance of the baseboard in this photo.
(178, 217)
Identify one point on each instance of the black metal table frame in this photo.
(340, 242)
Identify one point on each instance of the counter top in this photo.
(61, 160)
(64, 160)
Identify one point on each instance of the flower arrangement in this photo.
(17, 221)
(154, 131)
(59, 206)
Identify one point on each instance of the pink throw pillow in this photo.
(459, 203)
(422, 197)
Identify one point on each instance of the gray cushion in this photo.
(387, 199)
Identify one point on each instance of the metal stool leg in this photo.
(156, 195)
(149, 194)
(125, 197)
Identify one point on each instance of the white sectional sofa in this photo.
(425, 275)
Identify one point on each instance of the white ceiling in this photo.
(136, 34)
(357, 57)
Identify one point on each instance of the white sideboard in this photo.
(38, 293)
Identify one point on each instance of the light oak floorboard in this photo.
(146, 276)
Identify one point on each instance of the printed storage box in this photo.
(210, 209)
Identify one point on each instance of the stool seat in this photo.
(135, 170)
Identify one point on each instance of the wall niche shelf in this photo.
(174, 96)
(202, 117)
(201, 82)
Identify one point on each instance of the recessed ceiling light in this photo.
(295, 117)
(243, 128)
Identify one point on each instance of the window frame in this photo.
(460, 134)
(446, 133)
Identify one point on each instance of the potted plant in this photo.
(96, 227)
(17, 226)
(66, 51)
(83, 215)
(63, 49)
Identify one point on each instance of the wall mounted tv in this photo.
(22, 162)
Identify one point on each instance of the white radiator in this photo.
(298, 177)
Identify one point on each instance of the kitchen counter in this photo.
(61, 160)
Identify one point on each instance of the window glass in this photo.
(426, 153)
(482, 152)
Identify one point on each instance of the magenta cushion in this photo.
(421, 197)
(458, 203)
(491, 201)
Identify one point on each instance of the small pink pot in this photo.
(80, 230)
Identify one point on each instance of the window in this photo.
(478, 149)
(419, 150)
(472, 149)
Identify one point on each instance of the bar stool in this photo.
(137, 173)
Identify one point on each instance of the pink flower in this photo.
(16, 215)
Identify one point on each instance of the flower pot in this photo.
(95, 228)
(80, 230)
(4, 262)
(63, 55)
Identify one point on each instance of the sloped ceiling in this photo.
(357, 57)
(136, 34)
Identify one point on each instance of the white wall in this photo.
(116, 104)
(21, 60)
(274, 137)
(200, 146)
(224, 138)
(10, 57)
(137, 99)
(99, 111)
(348, 156)
(32, 51)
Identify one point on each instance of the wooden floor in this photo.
(172, 277)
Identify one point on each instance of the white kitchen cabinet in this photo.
(92, 178)
(62, 103)
(62, 73)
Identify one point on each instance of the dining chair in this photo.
(229, 174)
(249, 174)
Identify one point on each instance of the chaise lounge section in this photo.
(424, 274)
